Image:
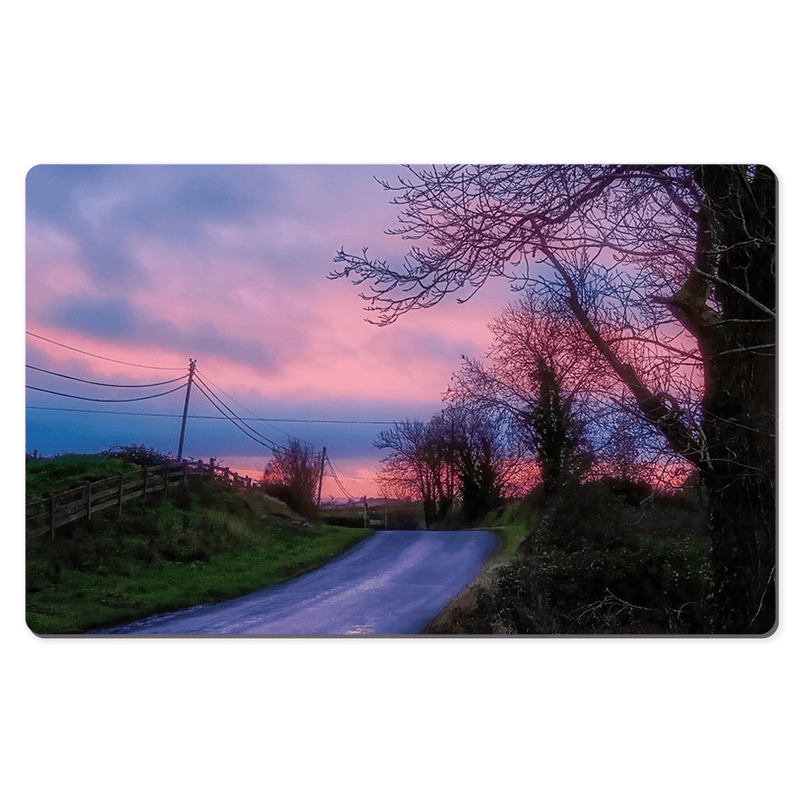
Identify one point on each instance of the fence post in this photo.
(247, 481)
(119, 496)
(166, 479)
(226, 473)
(52, 516)
(88, 499)
(183, 480)
(212, 466)
(144, 481)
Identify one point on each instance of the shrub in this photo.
(343, 521)
(295, 497)
(138, 454)
(596, 564)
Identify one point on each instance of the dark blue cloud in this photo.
(52, 432)
(351, 437)
(50, 189)
(205, 339)
(193, 196)
(116, 319)
(171, 203)
(113, 318)
(108, 262)
(55, 194)
(105, 209)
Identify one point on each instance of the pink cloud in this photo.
(52, 264)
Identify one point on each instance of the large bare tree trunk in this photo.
(738, 467)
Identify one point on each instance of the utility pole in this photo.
(192, 363)
(321, 473)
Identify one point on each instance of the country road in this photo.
(395, 582)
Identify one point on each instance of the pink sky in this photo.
(154, 265)
(228, 265)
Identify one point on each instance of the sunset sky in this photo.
(228, 265)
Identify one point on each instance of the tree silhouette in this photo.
(457, 452)
(292, 475)
(416, 465)
(484, 459)
(556, 436)
(531, 341)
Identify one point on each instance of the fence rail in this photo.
(51, 512)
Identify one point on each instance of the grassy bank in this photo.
(60, 473)
(593, 561)
(204, 543)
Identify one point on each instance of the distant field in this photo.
(383, 514)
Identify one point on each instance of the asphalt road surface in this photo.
(395, 582)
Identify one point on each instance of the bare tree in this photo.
(416, 465)
(292, 475)
(485, 458)
(536, 352)
(457, 453)
(670, 273)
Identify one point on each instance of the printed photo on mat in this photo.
(353, 400)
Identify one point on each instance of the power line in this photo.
(253, 418)
(121, 413)
(265, 443)
(209, 394)
(98, 383)
(103, 400)
(206, 416)
(232, 412)
(330, 421)
(235, 416)
(341, 486)
(336, 477)
(94, 355)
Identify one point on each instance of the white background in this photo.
(358, 82)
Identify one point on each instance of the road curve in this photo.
(393, 583)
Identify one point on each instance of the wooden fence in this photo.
(222, 473)
(45, 515)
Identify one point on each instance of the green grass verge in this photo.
(79, 601)
(71, 469)
(512, 523)
(511, 535)
(205, 542)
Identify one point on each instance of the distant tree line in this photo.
(536, 413)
